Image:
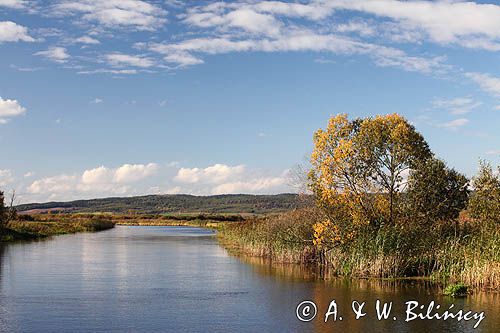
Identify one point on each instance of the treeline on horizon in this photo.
(173, 203)
(385, 206)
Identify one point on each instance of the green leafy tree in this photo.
(436, 192)
(485, 200)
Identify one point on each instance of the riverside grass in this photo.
(34, 226)
(466, 250)
(38, 227)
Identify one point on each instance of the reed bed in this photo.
(57, 227)
(465, 250)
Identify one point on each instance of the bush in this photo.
(456, 290)
(3, 213)
(484, 203)
(436, 192)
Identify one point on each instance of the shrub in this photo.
(485, 200)
(436, 192)
(3, 213)
(456, 290)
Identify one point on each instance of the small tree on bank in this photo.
(7, 213)
(3, 213)
(485, 199)
(436, 192)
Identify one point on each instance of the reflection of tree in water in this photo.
(2, 250)
(322, 287)
(3, 324)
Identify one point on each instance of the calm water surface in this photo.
(177, 279)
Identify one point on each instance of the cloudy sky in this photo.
(126, 97)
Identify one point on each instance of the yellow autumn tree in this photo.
(358, 169)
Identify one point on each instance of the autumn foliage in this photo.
(376, 172)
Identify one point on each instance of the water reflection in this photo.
(323, 288)
(177, 279)
(2, 308)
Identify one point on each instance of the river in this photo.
(178, 279)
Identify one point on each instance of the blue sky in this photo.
(129, 97)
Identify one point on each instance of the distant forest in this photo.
(175, 203)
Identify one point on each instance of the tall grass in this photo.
(63, 226)
(449, 251)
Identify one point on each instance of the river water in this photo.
(178, 279)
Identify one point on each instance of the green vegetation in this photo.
(382, 205)
(44, 227)
(370, 220)
(436, 192)
(465, 250)
(32, 226)
(485, 201)
(3, 214)
(26, 227)
(178, 203)
(206, 220)
(456, 290)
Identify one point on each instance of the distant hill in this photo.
(175, 203)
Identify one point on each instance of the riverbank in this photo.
(35, 226)
(40, 226)
(465, 251)
(205, 220)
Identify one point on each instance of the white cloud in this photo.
(443, 21)
(6, 177)
(96, 182)
(149, 178)
(212, 174)
(12, 32)
(455, 124)
(299, 40)
(359, 27)
(10, 108)
(182, 59)
(175, 3)
(110, 71)
(13, 3)
(55, 53)
(128, 173)
(257, 185)
(87, 40)
(456, 106)
(222, 178)
(243, 18)
(493, 152)
(486, 82)
(96, 101)
(136, 14)
(100, 175)
(322, 60)
(56, 184)
(120, 60)
(29, 174)
(173, 190)
(468, 24)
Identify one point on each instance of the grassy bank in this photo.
(33, 226)
(40, 226)
(465, 251)
(202, 220)
(211, 224)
